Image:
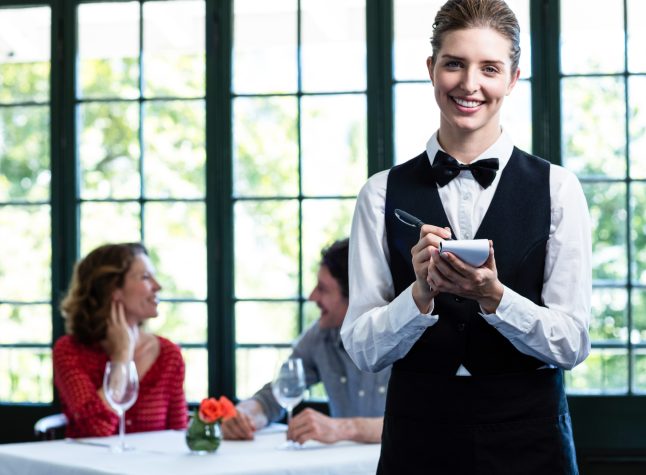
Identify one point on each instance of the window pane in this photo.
(636, 36)
(639, 370)
(174, 149)
(174, 58)
(605, 371)
(583, 48)
(413, 20)
(266, 322)
(334, 145)
(516, 115)
(196, 382)
(266, 147)
(26, 375)
(311, 313)
(25, 272)
(637, 108)
(30, 323)
(255, 367)
(608, 216)
(324, 221)
(417, 117)
(333, 40)
(176, 238)
(180, 322)
(521, 10)
(25, 36)
(109, 150)
(24, 153)
(108, 50)
(103, 223)
(639, 317)
(609, 320)
(264, 49)
(594, 137)
(638, 231)
(266, 250)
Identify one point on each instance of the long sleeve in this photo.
(557, 332)
(302, 349)
(76, 381)
(378, 328)
(177, 408)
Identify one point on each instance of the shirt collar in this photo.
(501, 149)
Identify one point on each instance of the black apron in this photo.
(515, 424)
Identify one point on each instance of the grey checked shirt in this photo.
(351, 392)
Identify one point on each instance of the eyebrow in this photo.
(486, 61)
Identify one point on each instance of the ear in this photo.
(429, 66)
(117, 295)
(513, 82)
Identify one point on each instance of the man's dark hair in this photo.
(335, 258)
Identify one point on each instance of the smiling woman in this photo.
(460, 336)
(112, 293)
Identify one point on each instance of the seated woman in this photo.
(112, 292)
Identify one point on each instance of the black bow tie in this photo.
(446, 168)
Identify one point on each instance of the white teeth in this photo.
(464, 103)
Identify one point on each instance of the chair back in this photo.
(50, 427)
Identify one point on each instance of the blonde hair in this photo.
(464, 14)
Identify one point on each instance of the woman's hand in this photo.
(447, 273)
(120, 338)
(429, 240)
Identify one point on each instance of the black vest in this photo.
(518, 222)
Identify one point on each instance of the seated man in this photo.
(356, 399)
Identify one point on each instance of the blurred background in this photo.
(232, 137)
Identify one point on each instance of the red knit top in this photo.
(78, 375)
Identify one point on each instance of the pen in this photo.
(410, 220)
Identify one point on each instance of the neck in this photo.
(466, 146)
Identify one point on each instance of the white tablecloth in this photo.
(165, 452)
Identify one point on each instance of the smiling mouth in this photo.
(465, 103)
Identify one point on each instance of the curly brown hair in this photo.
(86, 307)
(464, 14)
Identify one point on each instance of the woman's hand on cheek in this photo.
(120, 341)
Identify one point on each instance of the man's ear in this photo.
(429, 66)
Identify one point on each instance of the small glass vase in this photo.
(203, 438)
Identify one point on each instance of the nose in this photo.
(469, 82)
(313, 295)
(156, 285)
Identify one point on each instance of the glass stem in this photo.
(122, 429)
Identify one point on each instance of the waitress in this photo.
(477, 352)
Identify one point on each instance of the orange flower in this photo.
(212, 410)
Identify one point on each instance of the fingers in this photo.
(447, 273)
(239, 427)
(312, 425)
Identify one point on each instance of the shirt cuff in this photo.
(513, 313)
(404, 309)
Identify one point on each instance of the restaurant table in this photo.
(165, 452)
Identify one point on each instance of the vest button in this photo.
(461, 326)
(458, 299)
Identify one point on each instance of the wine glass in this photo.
(288, 386)
(121, 386)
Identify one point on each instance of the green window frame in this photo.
(221, 198)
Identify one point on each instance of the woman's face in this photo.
(472, 75)
(139, 291)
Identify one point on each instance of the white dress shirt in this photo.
(380, 328)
